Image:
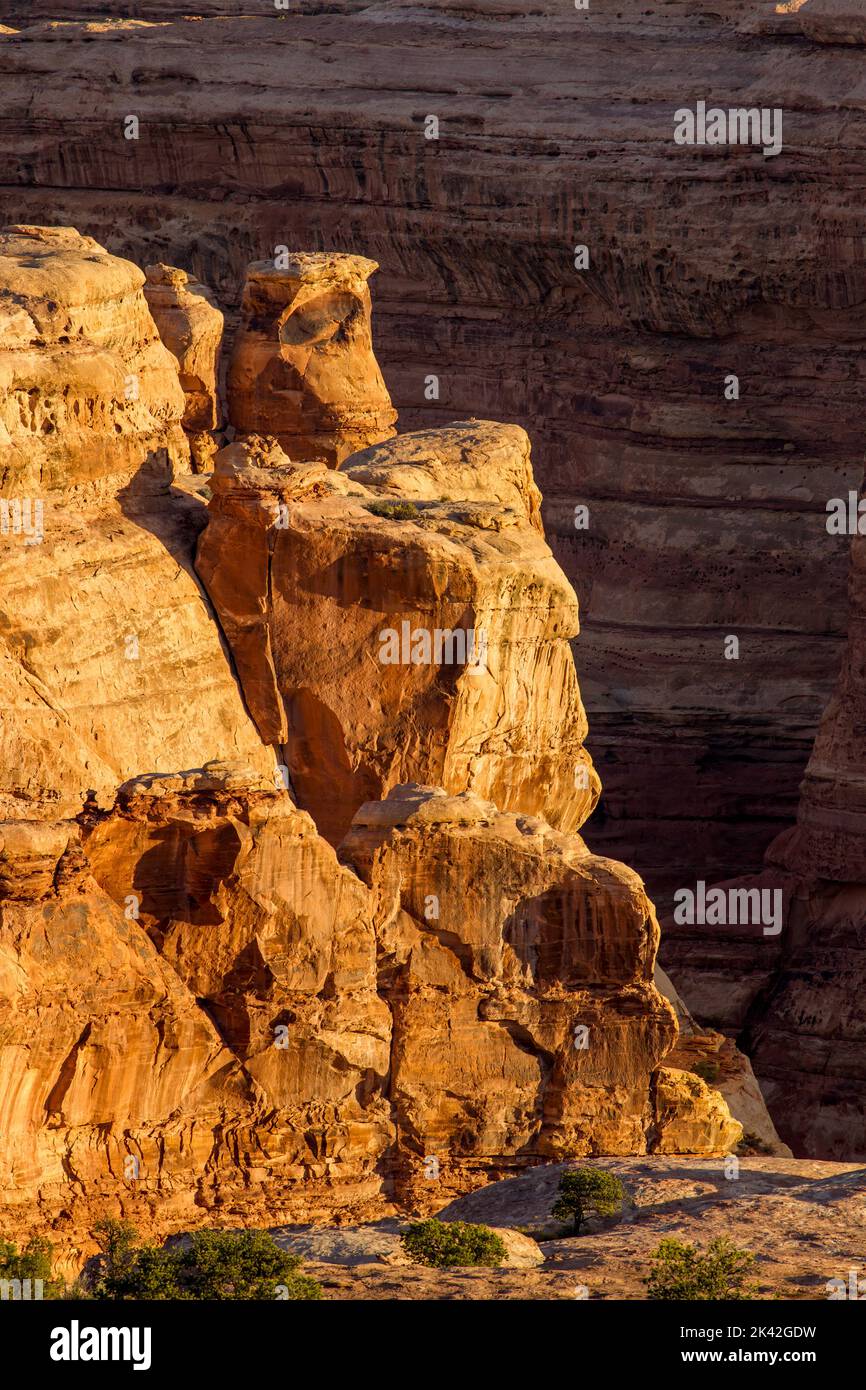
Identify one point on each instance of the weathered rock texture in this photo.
(714, 1057)
(191, 326)
(110, 660)
(303, 367)
(706, 515)
(113, 1081)
(519, 970)
(320, 581)
(796, 1000)
(203, 1011)
(250, 908)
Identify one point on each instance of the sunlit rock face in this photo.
(303, 367)
(519, 968)
(706, 514)
(190, 324)
(203, 1009)
(110, 660)
(380, 641)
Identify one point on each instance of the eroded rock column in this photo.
(303, 367)
(191, 327)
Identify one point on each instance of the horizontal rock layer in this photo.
(795, 998)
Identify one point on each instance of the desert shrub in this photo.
(682, 1272)
(222, 1265)
(707, 1071)
(394, 511)
(754, 1144)
(446, 1243)
(33, 1262)
(585, 1192)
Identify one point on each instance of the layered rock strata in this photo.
(110, 660)
(794, 997)
(202, 1010)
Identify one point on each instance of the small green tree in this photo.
(446, 1243)
(682, 1272)
(221, 1265)
(585, 1192)
(708, 1071)
(242, 1265)
(33, 1262)
(753, 1144)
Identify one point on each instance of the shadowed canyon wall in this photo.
(706, 515)
(794, 998)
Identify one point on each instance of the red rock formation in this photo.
(303, 367)
(519, 969)
(706, 515)
(201, 1008)
(106, 639)
(379, 643)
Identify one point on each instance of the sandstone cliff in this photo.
(303, 367)
(379, 642)
(191, 327)
(110, 660)
(202, 1008)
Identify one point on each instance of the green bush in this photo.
(446, 1243)
(707, 1071)
(394, 511)
(33, 1262)
(585, 1192)
(682, 1272)
(753, 1144)
(219, 1265)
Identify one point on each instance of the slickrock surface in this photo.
(313, 587)
(555, 130)
(766, 1209)
(110, 660)
(303, 367)
(191, 326)
(469, 461)
(796, 1000)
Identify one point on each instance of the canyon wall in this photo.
(706, 515)
(794, 998)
